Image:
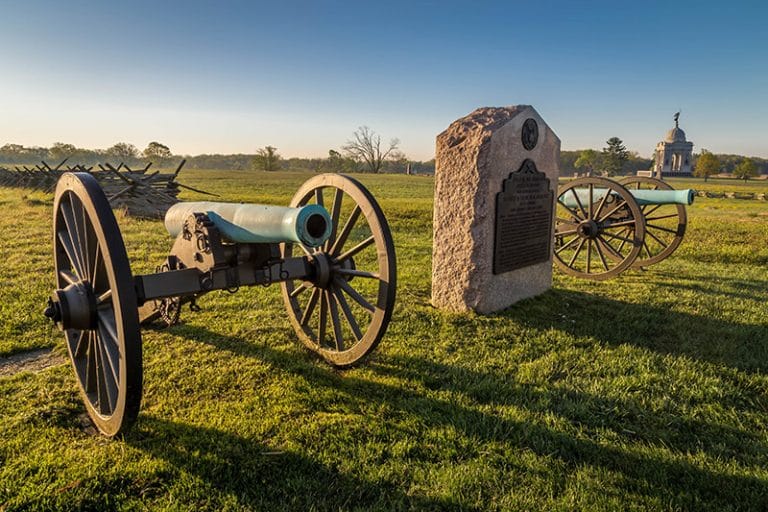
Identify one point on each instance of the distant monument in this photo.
(496, 176)
(674, 155)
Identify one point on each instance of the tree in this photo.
(589, 159)
(12, 149)
(366, 147)
(157, 151)
(339, 163)
(614, 156)
(746, 169)
(123, 151)
(706, 165)
(266, 159)
(60, 151)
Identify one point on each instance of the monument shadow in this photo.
(741, 346)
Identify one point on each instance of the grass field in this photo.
(647, 392)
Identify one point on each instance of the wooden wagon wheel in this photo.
(343, 311)
(599, 228)
(664, 224)
(95, 303)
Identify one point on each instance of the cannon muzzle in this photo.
(643, 197)
(257, 223)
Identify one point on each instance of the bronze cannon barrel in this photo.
(643, 197)
(257, 223)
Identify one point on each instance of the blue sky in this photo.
(302, 76)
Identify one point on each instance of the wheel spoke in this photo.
(297, 291)
(566, 233)
(671, 215)
(570, 242)
(305, 250)
(654, 226)
(355, 295)
(578, 202)
(609, 225)
(566, 221)
(356, 249)
(652, 210)
(347, 313)
(104, 297)
(649, 233)
(112, 358)
(81, 346)
(335, 321)
(108, 380)
(319, 196)
(576, 252)
(335, 212)
(600, 206)
(590, 204)
(90, 368)
(101, 379)
(85, 238)
(69, 249)
(98, 265)
(623, 241)
(609, 247)
(69, 277)
(617, 237)
(310, 306)
(76, 240)
(323, 319)
(573, 213)
(589, 254)
(346, 230)
(647, 250)
(612, 211)
(600, 253)
(109, 326)
(357, 273)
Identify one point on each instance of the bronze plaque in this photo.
(523, 220)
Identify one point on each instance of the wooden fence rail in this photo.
(138, 192)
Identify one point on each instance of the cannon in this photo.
(603, 227)
(336, 268)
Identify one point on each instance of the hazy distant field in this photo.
(647, 392)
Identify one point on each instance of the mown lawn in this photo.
(647, 392)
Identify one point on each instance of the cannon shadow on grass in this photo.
(737, 345)
(722, 286)
(260, 478)
(671, 480)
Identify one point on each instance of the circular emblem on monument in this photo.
(530, 134)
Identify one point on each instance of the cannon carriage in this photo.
(603, 227)
(331, 251)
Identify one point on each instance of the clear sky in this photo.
(226, 77)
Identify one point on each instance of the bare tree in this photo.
(366, 147)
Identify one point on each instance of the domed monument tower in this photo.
(674, 155)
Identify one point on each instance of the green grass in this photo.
(647, 392)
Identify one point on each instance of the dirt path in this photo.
(33, 361)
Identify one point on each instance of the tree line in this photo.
(615, 159)
(16, 154)
(364, 152)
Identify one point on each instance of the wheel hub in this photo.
(73, 307)
(348, 264)
(322, 265)
(588, 229)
